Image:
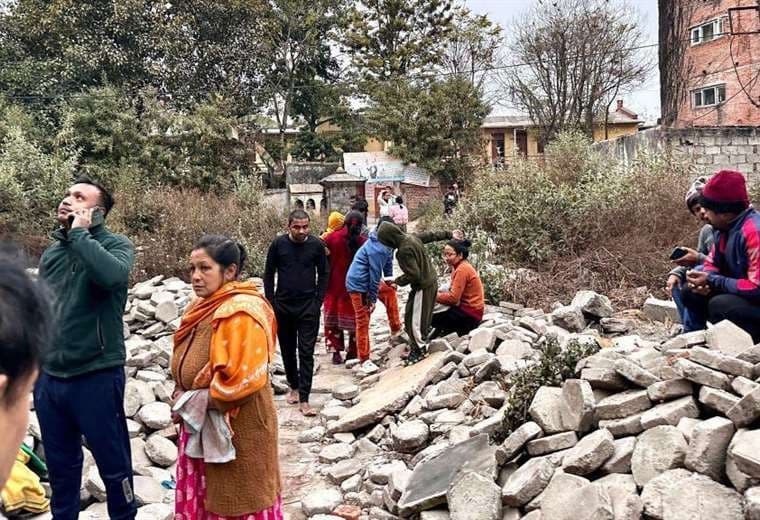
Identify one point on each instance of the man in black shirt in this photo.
(300, 262)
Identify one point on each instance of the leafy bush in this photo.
(555, 364)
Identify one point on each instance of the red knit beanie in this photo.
(726, 192)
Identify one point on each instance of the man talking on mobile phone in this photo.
(80, 391)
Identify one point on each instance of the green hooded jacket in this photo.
(88, 272)
(413, 260)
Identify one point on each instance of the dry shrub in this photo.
(580, 221)
(164, 223)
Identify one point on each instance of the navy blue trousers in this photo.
(91, 405)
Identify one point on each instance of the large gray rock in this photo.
(592, 502)
(148, 491)
(624, 404)
(623, 427)
(343, 470)
(702, 375)
(432, 477)
(752, 503)
(515, 442)
(161, 451)
(552, 443)
(489, 392)
(626, 504)
(390, 394)
(474, 497)
(593, 304)
(155, 512)
(708, 445)
(661, 310)
(657, 488)
(747, 410)
(604, 378)
(321, 501)
(635, 373)
(346, 391)
(527, 482)
(739, 479)
(728, 338)
(569, 318)
(590, 453)
(577, 405)
(701, 497)
(670, 413)
(670, 389)
(718, 400)
(155, 416)
(657, 450)
(720, 361)
(545, 409)
(482, 339)
(620, 461)
(410, 436)
(745, 452)
(336, 452)
(555, 497)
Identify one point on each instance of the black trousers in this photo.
(91, 405)
(453, 320)
(739, 311)
(297, 329)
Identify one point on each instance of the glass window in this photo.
(707, 32)
(721, 94)
(708, 96)
(698, 99)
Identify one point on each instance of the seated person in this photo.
(727, 285)
(692, 258)
(465, 296)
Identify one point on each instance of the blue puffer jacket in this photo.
(371, 262)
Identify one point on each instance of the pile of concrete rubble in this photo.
(657, 429)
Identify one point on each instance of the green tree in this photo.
(435, 125)
(391, 39)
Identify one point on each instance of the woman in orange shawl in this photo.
(224, 346)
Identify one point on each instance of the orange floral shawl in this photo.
(242, 341)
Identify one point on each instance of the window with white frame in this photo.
(709, 96)
(707, 31)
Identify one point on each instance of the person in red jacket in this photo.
(338, 311)
(727, 285)
(464, 299)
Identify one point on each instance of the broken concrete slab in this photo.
(747, 410)
(592, 502)
(719, 361)
(664, 311)
(670, 389)
(635, 373)
(516, 440)
(623, 427)
(593, 304)
(739, 479)
(577, 405)
(719, 400)
(432, 478)
(745, 451)
(620, 461)
(653, 492)
(545, 409)
(702, 375)
(604, 378)
(552, 443)
(390, 394)
(554, 498)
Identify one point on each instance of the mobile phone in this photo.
(678, 252)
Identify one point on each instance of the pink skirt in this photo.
(191, 491)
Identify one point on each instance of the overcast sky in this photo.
(645, 100)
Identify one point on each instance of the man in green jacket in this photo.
(81, 387)
(421, 275)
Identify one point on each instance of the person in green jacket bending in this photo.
(81, 388)
(421, 275)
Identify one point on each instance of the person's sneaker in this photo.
(337, 359)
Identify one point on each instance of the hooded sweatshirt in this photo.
(370, 262)
(411, 255)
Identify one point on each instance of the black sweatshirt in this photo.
(302, 273)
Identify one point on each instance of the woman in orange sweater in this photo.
(465, 297)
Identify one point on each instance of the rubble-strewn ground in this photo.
(651, 426)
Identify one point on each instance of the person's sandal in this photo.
(292, 397)
(337, 359)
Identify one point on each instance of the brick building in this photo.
(710, 63)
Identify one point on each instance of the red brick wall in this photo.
(710, 63)
(416, 197)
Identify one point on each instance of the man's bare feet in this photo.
(293, 397)
(307, 410)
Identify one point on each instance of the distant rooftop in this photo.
(621, 115)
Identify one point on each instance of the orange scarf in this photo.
(205, 307)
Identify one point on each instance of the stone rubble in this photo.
(667, 428)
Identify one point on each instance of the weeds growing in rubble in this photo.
(554, 365)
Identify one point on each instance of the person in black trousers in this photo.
(300, 262)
